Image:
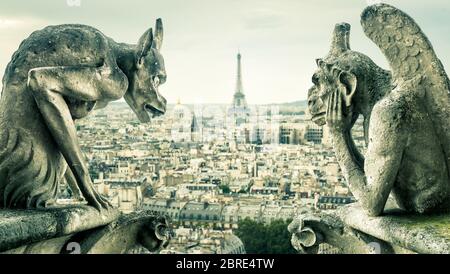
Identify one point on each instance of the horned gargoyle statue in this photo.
(406, 114)
(58, 75)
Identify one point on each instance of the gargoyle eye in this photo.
(315, 79)
(156, 81)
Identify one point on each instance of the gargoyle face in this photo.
(317, 100)
(327, 79)
(142, 95)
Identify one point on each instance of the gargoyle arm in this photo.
(373, 184)
(357, 155)
(72, 183)
(48, 85)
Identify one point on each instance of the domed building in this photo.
(184, 124)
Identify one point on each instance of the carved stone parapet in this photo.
(81, 229)
(350, 230)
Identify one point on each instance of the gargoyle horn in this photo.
(158, 34)
(341, 40)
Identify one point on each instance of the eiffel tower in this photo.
(239, 108)
(239, 96)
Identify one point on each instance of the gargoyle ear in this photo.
(349, 81)
(319, 62)
(158, 34)
(144, 45)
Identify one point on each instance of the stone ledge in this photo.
(418, 233)
(23, 227)
(350, 230)
(141, 229)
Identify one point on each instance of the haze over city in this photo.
(278, 41)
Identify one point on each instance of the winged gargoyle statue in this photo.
(60, 74)
(406, 114)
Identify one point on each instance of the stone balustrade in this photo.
(350, 230)
(81, 229)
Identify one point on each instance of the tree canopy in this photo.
(260, 238)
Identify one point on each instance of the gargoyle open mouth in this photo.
(319, 118)
(154, 111)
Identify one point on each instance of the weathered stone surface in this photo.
(407, 131)
(351, 230)
(81, 230)
(310, 230)
(406, 114)
(24, 227)
(418, 233)
(57, 75)
(139, 229)
(50, 246)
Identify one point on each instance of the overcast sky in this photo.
(278, 39)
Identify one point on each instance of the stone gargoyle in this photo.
(58, 75)
(406, 114)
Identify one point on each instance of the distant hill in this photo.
(296, 107)
(300, 103)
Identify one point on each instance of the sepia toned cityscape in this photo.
(209, 167)
(225, 127)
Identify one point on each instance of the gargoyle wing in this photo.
(410, 54)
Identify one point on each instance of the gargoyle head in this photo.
(329, 76)
(327, 79)
(142, 94)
